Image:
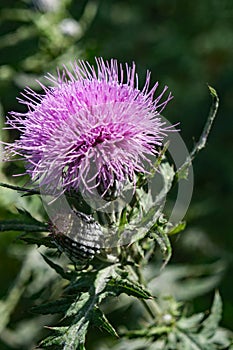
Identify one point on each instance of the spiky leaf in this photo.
(100, 320)
(210, 325)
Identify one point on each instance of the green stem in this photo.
(150, 305)
(205, 133)
(148, 309)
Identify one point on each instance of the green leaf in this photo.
(81, 303)
(148, 332)
(100, 320)
(67, 338)
(192, 322)
(119, 282)
(117, 286)
(20, 189)
(210, 325)
(177, 228)
(224, 338)
(189, 341)
(18, 225)
(193, 333)
(39, 241)
(147, 207)
(52, 307)
(164, 243)
(57, 268)
(185, 282)
(81, 312)
(23, 222)
(82, 282)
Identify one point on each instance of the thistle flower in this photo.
(93, 125)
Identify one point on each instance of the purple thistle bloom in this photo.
(93, 125)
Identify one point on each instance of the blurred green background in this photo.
(185, 44)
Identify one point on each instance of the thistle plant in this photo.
(95, 148)
(89, 117)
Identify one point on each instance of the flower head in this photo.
(93, 125)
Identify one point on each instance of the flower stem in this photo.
(150, 305)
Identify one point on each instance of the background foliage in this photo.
(185, 44)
